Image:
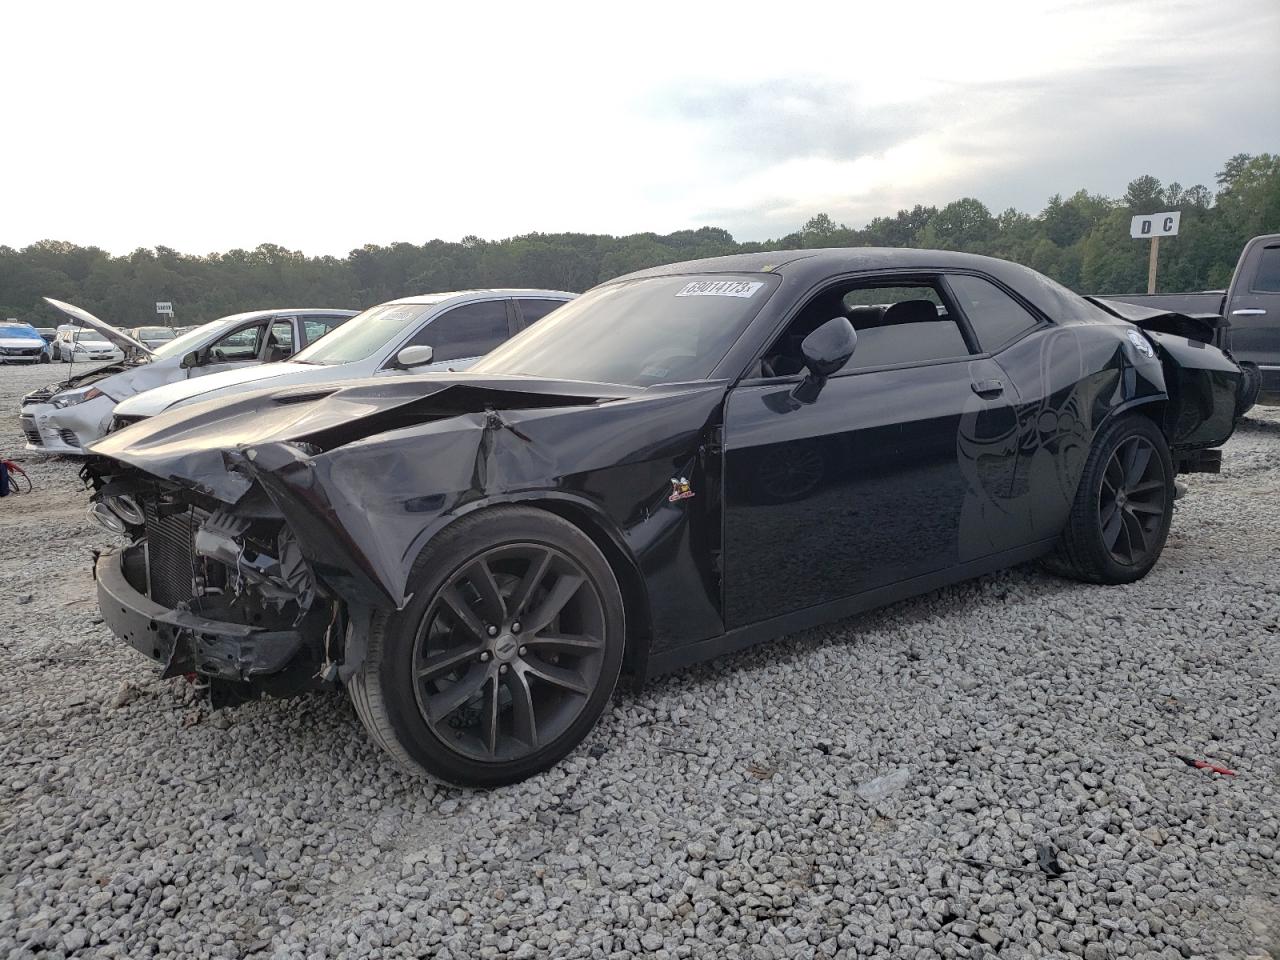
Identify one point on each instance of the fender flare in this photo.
(589, 517)
(1126, 406)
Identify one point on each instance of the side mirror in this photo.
(192, 359)
(825, 351)
(414, 357)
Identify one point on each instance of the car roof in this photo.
(483, 294)
(828, 260)
(802, 269)
(255, 314)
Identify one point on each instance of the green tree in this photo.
(1144, 195)
(1082, 240)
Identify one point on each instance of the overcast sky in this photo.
(322, 127)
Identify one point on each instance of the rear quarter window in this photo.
(531, 310)
(995, 316)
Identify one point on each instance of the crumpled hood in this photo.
(84, 318)
(188, 444)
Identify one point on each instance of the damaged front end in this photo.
(210, 589)
(264, 534)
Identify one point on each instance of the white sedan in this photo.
(75, 345)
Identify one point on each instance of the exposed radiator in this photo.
(169, 556)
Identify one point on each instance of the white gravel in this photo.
(722, 812)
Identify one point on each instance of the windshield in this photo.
(193, 338)
(638, 332)
(366, 333)
(153, 333)
(90, 336)
(18, 330)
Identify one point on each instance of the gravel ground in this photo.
(730, 811)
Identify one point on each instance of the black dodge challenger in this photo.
(682, 462)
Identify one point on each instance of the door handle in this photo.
(988, 389)
(1249, 312)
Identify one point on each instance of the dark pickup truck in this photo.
(1249, 309)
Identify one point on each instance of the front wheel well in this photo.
(635, 596)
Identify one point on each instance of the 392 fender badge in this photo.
(1141, 344)
(680, 490)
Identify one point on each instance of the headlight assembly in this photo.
(72, 397)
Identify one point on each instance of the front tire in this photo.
(505, 657)
(1123, 507)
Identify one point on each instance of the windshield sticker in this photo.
(720, 288)
(403, 314)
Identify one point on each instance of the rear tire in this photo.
(1250, 388)
(505, 657)
(1123, 506)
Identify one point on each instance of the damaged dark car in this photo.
(680, 463)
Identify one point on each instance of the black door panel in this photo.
(890, 474)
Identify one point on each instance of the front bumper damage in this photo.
(65, 430)
(310, 506)
(243, 661)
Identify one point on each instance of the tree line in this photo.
(1081, 240)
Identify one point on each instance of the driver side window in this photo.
(470, 330)
(901, 323)
(242, 344)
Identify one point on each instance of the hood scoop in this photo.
(306, 396)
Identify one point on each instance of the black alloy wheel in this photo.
(1132, 501)
(509, 651)
(505, 655)
(1122, 507)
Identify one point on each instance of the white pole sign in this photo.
(1149, 225)
(164, 307)
(1153, 226)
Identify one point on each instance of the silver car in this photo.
(153, 337)
(424, 334)
(64, 417)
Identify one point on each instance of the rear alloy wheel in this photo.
(1131, 501)
(506, 656)
(1123, 507)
